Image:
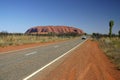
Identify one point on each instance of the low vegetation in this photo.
(111, 47)
(8, 39)
(110, 43)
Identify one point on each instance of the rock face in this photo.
(53, 29)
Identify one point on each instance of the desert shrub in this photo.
(8, 39)
(111, 47)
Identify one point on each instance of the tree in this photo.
(119, 33)
(111, 23)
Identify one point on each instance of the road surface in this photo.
(20, 64)
(86, 62)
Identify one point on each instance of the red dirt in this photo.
(87, 62)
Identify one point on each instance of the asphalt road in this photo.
(19, 64)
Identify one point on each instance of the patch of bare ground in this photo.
(87, 62)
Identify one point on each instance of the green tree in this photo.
(111, 24)
(119, 33)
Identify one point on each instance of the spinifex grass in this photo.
(111, 48)
(8, 40)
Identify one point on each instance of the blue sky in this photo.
(88, 15)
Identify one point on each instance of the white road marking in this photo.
(31, 53)
(34, 73)
(56, 46)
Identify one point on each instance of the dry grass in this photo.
(111, 48)
(27, 39)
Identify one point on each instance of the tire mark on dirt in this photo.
(82, 75)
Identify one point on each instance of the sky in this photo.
(88, 15)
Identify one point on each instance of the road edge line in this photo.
(34, 73)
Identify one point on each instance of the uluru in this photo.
(53, 29)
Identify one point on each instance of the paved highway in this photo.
(19, 64)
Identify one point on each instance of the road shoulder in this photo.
(87, 62)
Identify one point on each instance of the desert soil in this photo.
(87, 62)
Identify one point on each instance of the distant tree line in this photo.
(110, 34)
(5, 33)
(59, 35)
(99, 35)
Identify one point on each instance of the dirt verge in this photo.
(87, 62)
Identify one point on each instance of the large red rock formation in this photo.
(53, 29)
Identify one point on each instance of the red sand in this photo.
(88, 62)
